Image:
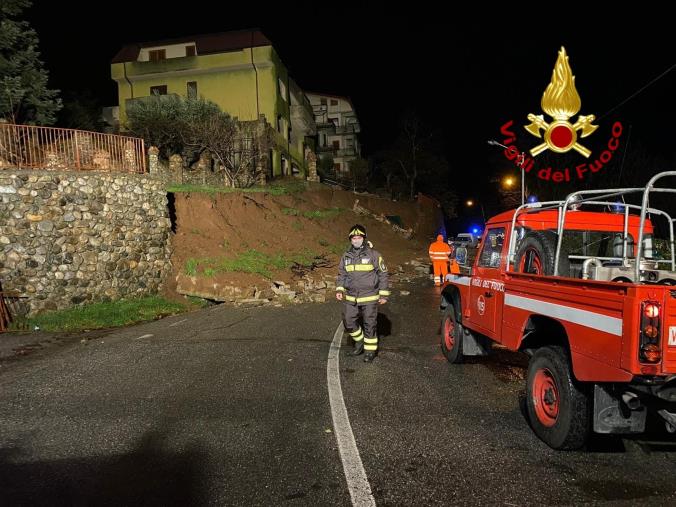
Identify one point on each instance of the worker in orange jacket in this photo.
(439, 252)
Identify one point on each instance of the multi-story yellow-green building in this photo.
(240, 71)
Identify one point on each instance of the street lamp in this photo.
(471, 202)
(522, 160)
(508, 182)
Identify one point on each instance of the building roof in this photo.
(206, 43)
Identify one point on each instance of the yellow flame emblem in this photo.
(561, 101)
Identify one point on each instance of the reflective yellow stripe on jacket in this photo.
(359, 267)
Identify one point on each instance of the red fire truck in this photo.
(583, 287)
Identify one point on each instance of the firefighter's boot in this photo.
(358, 338)
(357, 349)
(369, 357)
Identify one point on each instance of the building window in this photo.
(192, 89)
(335, 121)
(190, 51)
(279, 123)
(334, 102)
(158, 90)
(322, 101)
(337, 167)
(155, 55)
(336, 145)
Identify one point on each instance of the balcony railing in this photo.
(348, 129)
(326, 126)
(346, 152)
(28, 147)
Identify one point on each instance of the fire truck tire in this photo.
(451, 335)
(537, 252)
(559, 411)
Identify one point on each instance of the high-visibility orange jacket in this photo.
(439, 250)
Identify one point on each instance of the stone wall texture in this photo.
(68, 238)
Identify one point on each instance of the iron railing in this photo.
(28, 147)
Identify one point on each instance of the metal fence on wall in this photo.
(28, 147)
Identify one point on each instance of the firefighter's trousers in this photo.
(440, 271)
(369, 318)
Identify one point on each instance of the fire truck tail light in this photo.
(651, 311)
(650, 346)
(651, 353)
(650, 331)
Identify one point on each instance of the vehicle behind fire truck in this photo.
(587, 291)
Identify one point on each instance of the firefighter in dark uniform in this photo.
(362, 285)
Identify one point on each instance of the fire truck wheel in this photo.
(537, 252)
(559, 411)
(451, 335)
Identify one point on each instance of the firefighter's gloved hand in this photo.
(382, 301)
(339, 296)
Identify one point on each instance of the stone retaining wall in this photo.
(72, 237)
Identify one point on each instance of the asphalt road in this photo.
(229, 406)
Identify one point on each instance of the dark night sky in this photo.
(465, 75)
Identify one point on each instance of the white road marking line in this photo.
(177, 323)
(145, 336)
(357, 483)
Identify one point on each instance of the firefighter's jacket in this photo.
(362, 276)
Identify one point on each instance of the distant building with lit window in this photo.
(337, 129)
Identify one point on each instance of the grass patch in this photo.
(101, 315)
(252, 261)
(277, 188)
(191, 267)
(313, 215)
(338, 249)
(322, 214)
(196, 302)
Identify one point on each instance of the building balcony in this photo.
(338, 152)
(346, 152)
(348, 129)
(326, 128)
(162, 66)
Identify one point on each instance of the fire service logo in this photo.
(561, 102)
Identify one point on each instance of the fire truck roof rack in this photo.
(600, 198)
